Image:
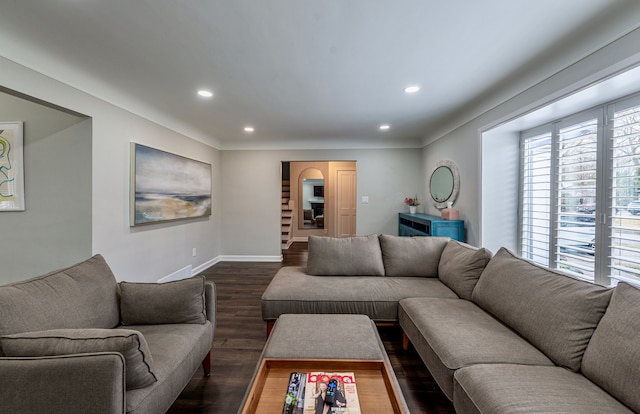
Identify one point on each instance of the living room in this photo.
(87, 80)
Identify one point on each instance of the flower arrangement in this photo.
(412, 201)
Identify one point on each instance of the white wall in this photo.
(54, 230)
(251, 194)
(463, 145)
(146, 253)
(500, 190)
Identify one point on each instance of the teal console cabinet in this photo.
(426, 225)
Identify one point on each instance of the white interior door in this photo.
(346, 203)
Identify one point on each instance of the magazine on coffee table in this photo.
(293, 400)
(331, 393)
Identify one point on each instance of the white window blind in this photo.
(536, 198)
(575, 209)
(624, 223)
(580, 194)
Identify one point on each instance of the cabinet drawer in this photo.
(426, 225)
(409, 231)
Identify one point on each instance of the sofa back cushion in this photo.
(81, 296)
(181, 301)
(554, 312)
(411, 256)
(461, 266)
(345, 256)
(613, 355)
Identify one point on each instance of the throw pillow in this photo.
(131, 344)
(461, 265)
(411, 256)
(345, 256)
(182, 301)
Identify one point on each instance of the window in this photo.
(624, 194)
(536, 200)
(580, 194)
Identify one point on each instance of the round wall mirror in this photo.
(444, 183)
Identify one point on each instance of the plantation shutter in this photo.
(624, 224)
(576, 154)
(536, 152)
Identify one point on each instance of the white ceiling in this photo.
(305, 74)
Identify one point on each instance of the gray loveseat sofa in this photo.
(76, 341)
(499, 334)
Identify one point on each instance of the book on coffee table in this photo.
(331, 393)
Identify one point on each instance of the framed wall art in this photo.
(11, 167)
(166, 186)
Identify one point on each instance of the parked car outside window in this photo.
(586, 208)
(634, 207)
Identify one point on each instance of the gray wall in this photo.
(55, 229)
(251, 194)
(146, 253)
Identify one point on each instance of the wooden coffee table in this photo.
(301, 343)
(377, 392)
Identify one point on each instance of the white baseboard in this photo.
(240, 258)
(206, 265)
(189, 271)
(183, 273)
(301, 239)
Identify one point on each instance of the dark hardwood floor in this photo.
(240, 336)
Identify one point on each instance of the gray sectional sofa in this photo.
(499, 334)
(76, 341)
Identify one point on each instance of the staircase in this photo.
(287, 214)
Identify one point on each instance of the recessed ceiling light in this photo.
(384, 127)
(205, 93)
(411, 89)
(249, 129)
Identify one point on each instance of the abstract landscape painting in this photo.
(167, 186)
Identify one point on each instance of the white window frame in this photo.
(603, 199)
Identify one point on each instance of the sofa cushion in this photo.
(453, 333)
(461, 265)
(554, 312)
(182, 301)
(80, 296)
(613, 355)
(292, 290)
(178, 351)
(345, 256)
(411, 256)
(131, 344)
(512, 388)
